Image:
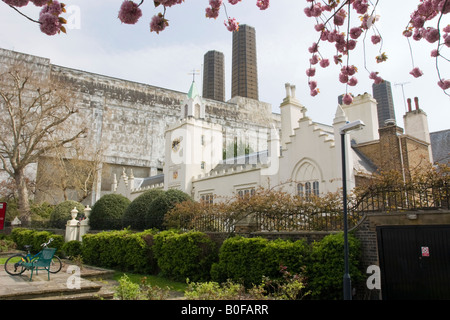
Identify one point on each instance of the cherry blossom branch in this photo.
(18, 11)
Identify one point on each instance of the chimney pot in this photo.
(409, 104)
(416, 101)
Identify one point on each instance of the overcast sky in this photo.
(101, 44)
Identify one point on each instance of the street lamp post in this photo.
(355, 125)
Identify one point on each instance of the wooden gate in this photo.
(414, 261)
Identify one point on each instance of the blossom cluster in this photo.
(130, 12)
(50, 21)
(335, 27)
(426, 11)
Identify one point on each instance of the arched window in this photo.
(307, 190)
(300, 190)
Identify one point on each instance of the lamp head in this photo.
(354, 125)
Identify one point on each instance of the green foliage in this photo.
(327, 268)
(72, 248)
(107, 212)
(134, 215)
(120, 250)
(129, 290)
(248, 260)
(23, 236)
(161, 205)
(185, 255)
(61, 213)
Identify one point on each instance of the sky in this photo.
(96, 41)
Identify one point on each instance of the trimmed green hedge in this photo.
(107, 212)
(247, 260)
(120, 250)
(185, 255)
(23, 236)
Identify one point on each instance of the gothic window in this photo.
(308, 190)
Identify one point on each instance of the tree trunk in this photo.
(22, 190)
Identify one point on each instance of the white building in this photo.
(303, 157)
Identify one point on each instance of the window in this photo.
(316, 188)
(207, 198)
(307, 190)
(246, 192)
(202, 165)
(300, 190)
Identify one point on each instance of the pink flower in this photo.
(234, 1)
(444, 84)
(434, 53)
(352, 82)
(416, 72)
(431, 34)
(314, 59)
(313, 48)
(262, 4)
(215, 4)
(375, 39)
(343, 78)
(16, 3)
(212, 13)
(324, 63)
(314, 92)
(355, 32)
(129, 12)
(347, 99)
(54, 8)
(158, 23)
(319, 27)
(447, 29)
(376, 79)
(169, 3)
(339, 17)
(39, 3)
(312, 84)
(311, 72)
(49, 24)
(360, 6)
(231, 24)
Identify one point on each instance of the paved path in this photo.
(94, 283)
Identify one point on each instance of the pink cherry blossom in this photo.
(376, 79)
(16, 3)
(169, 3)
(234, 1)
(343, 78)
(324, 63)
(39, 3)
(431, 34)
(54, 8)
(355, 32)
(314, 48)
(375, 39)
(129, 12)
(231, 24)
(212, 13)
(444, 84)
(158, 23)
(262, 4)
(314, 92)
(312, 84)
(215, 4)
(311, 72)
(314, 59)
(434, 53)
(416, 72)
(347, 99)
(352, 81)
(49, 24)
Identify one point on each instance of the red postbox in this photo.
(2, 214)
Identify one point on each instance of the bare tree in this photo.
(35, 116)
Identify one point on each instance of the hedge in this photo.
(185, 255)
(35, 238)
(107, 212)
(120, 250)
(247, 260)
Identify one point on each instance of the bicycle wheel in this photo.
(13, 264)
(55, 265)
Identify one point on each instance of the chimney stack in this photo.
(416, 101)
(409, 104)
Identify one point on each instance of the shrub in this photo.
(22, 237)
(185, 255)
(327, 268)
(120, 250)
(162, 204)
(248, 260)
(107, 212)
(61, 213)
(72, 248)
(134, 215)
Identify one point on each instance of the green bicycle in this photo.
(15, 265)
